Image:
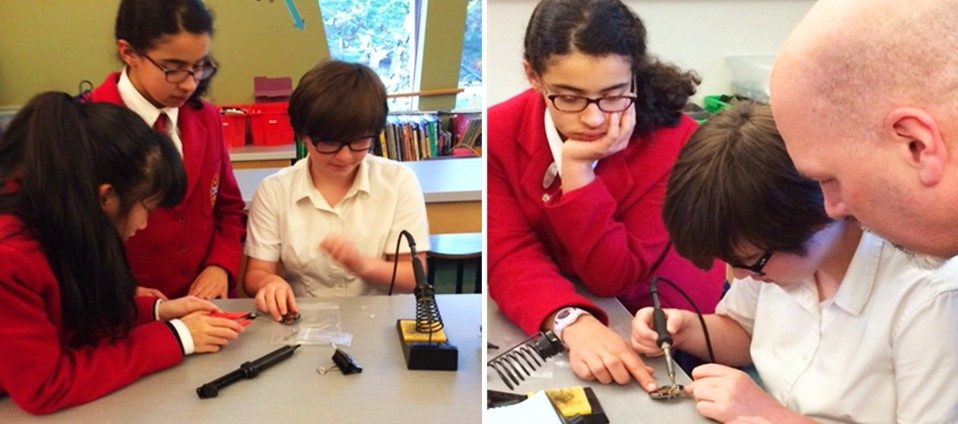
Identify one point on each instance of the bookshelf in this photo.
(414, 135)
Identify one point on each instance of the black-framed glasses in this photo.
(757, 266)
(362, 144)
(609, 104)
(576, 103)
(206, 70)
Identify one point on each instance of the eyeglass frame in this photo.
(349, 144)
(757, 266)
(590, 100)
(189, 72)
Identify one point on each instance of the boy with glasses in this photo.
(841, 325)
(333, 218)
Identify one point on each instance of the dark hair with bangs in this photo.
(603, 27)
(734, 183)
(143, 22)
(54, 157)
(338, 101)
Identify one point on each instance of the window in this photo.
(379, 33)
(383, 34)
(470, 67)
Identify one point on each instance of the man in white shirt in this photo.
(866, 97)
(841, 326)
(334, 219)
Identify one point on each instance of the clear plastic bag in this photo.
(319, 324)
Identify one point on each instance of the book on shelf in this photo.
(425, 135)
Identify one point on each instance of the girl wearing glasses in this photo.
(576, 177)
(841, 325)
(333, 219)
(193, 247)
(75, 181)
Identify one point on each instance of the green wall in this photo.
(54, 44)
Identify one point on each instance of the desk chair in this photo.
(458, 249)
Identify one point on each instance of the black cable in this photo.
(392, 281)
(705, 330)
(412, 250)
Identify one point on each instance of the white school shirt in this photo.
(884, 349)
(141, 106)
(288, 219)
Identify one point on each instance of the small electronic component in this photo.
(667, 392)
(290, 318)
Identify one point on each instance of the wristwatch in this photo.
(566, 317)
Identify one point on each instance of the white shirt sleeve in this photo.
(925, 342)
(185, 337)
(740, 302)
(263, 235)
(410, 214)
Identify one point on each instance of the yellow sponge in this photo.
(410, 335)
(570, 401)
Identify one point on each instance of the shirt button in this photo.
(183, 248)
(185, 274)
(181, 219)
(546, 198)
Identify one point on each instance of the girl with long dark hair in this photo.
(75, 181)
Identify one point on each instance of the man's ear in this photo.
(109, 201)
(126, 51)
(532, 76)
(919, 142)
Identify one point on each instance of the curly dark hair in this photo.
(602, 27)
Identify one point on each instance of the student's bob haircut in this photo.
(733, 185)
(338, 101)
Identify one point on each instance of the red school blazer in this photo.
(208, 226)
(39, 371)
(608, 235)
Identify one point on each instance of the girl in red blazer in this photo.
(193, 247)
(75, 180)
(576, 180)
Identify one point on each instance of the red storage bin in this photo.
(269, 124)
(234, 125)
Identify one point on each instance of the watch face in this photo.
(563, 313)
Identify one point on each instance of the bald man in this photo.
(865, 95)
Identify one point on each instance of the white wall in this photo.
(694, 34)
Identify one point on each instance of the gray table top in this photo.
(292, 391)
(442, 180)
(622, 404)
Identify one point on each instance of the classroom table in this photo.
(293, 390)
(622, 404)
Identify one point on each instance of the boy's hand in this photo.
(276, 298)
(644, 337)
(345, 252)
(726, 394)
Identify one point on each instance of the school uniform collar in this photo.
(859, 281)
(303, 188)
(139, 104)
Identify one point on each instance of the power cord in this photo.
(653, 288)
